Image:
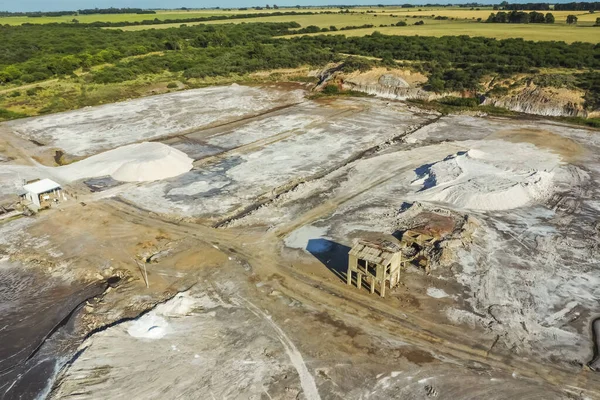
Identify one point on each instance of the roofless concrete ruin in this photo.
(380, 261)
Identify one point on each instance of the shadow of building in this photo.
(332, 255)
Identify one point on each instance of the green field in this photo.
(161, 15)
(483, 13)
(536, 32)
(464, 23)
(320, 20)
(383, 13)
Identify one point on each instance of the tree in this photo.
(435, 83)
(331, 89)
(571, 19)
(549, 18)
(501, 17)
(312, 29)
(536, 17)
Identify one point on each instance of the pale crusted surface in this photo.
(503, 313)
(90, 130)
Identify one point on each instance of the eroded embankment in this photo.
(524, 96)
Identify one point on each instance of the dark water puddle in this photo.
(595, 361)
(102, 183)
(37, 331)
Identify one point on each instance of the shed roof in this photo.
(43, 186)
(378, 252)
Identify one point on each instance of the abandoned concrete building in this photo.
(42, 193)
(380, 261)
(377, 261)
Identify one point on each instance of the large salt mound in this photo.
(489, 178)
(147, 161)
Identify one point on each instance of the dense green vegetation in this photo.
(35, 53)
(452, 63)
(459, 62)
(334, 90)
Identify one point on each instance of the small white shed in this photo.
(42, 192)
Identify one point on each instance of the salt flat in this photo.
(294, 151)
(254, 218)
(88, 131)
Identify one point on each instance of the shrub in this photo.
(7, 114)
(172, 85)
(459, 101)
(331, 89)
(33, 91)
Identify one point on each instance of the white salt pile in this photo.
(494, 176)
(149, 326)
(436, 293)
(147, 161)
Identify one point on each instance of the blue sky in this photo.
(55, 5)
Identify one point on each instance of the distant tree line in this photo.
(115, 11)
(81, 12)
(520, 17)
(156, 21)
(580, 6)
(332, 28)
(527, 6)
(34, 14)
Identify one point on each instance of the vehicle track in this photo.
(261, 253)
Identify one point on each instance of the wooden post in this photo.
(358, 279)
(352, 263)
(382, 288)
(144, 270)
